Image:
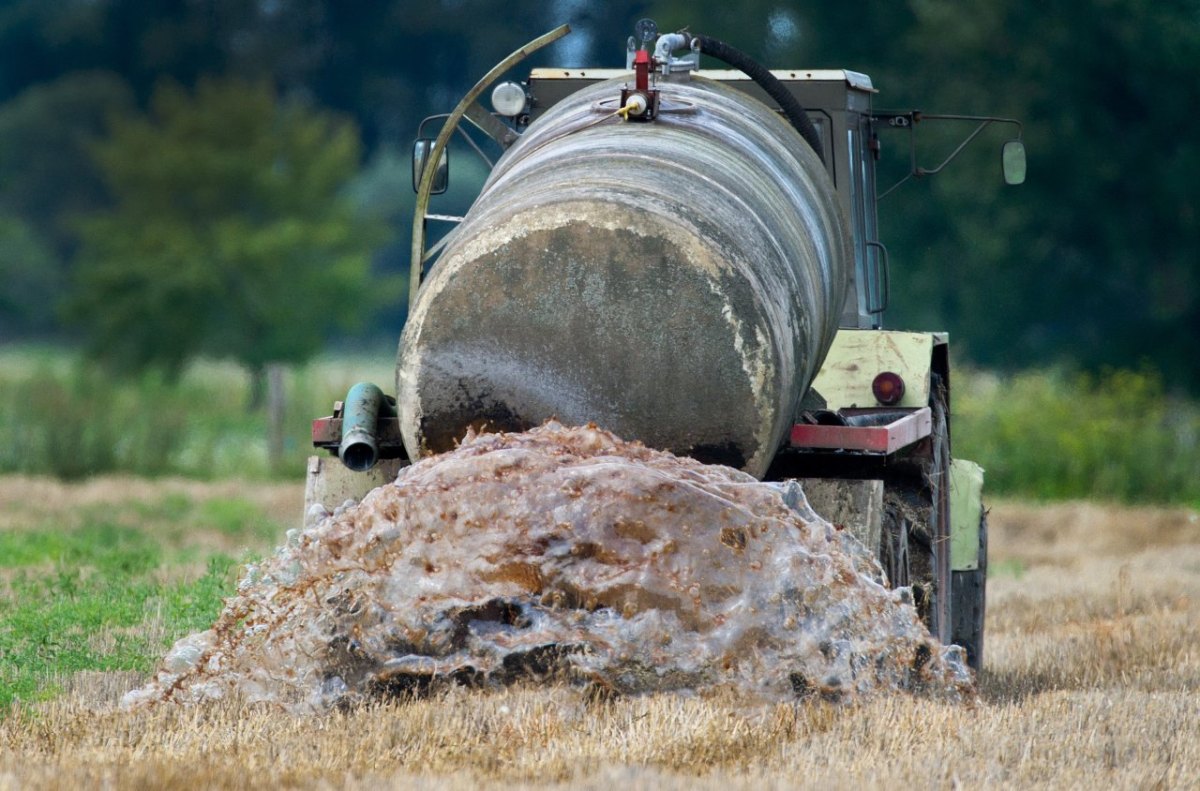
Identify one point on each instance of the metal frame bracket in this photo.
(463, 109)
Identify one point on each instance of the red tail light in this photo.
(888, 388)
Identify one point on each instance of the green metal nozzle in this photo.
(359, 449)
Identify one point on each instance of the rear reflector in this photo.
(888, 388)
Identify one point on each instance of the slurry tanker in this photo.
(689, 258)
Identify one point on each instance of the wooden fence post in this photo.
(276, 403)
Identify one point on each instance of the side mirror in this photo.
(1012, 160)
(441, 176)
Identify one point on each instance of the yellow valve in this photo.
(636, 104)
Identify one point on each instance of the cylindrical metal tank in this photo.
(677, 282)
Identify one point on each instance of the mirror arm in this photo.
(475, 147)
(470, 141)
(991, 119)
(436, 248)
(920, 172)
(910, 120)
(894, 187)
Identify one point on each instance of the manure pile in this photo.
(566, 554)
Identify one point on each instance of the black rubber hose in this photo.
(768, 82)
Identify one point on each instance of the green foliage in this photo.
(80, 425)
(1092, 261)
(29, 272)
(1044, 434)
(47, 176)
(66, 418)
(228, 237)
(1052, 435)
(47, 179)
(233, 517)
(110, 593)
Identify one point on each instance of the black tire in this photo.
(916, 522)
(938, 480)
(893, 548)
(969, 605)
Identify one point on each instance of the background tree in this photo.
(228, 235)
(47, 181)
(31, 274)
(1093, 261)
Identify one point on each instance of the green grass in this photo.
(1055, 435)
(65, 418)
(110, 588)
(48, 636)
(1013, 568)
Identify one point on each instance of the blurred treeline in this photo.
(169, 168)
(1040, 434)
(228, 181)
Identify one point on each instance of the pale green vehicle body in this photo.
(844, 382)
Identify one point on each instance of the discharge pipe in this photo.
(364, 404)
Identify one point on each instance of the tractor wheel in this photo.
(916, 522)
(906, 548)
(938, 481)
(969, 589)
(893, 547)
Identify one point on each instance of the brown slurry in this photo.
(566, 553)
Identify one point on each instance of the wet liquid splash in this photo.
(565, 553)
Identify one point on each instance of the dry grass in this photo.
(1093, 670)
(160, 506)
(27, 499)
(1068, 738)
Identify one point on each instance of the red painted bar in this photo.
(873, 439)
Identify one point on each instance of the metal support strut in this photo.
(464, 108)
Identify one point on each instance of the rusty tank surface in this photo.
(678, 283)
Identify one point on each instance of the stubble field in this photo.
(1091, 680)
